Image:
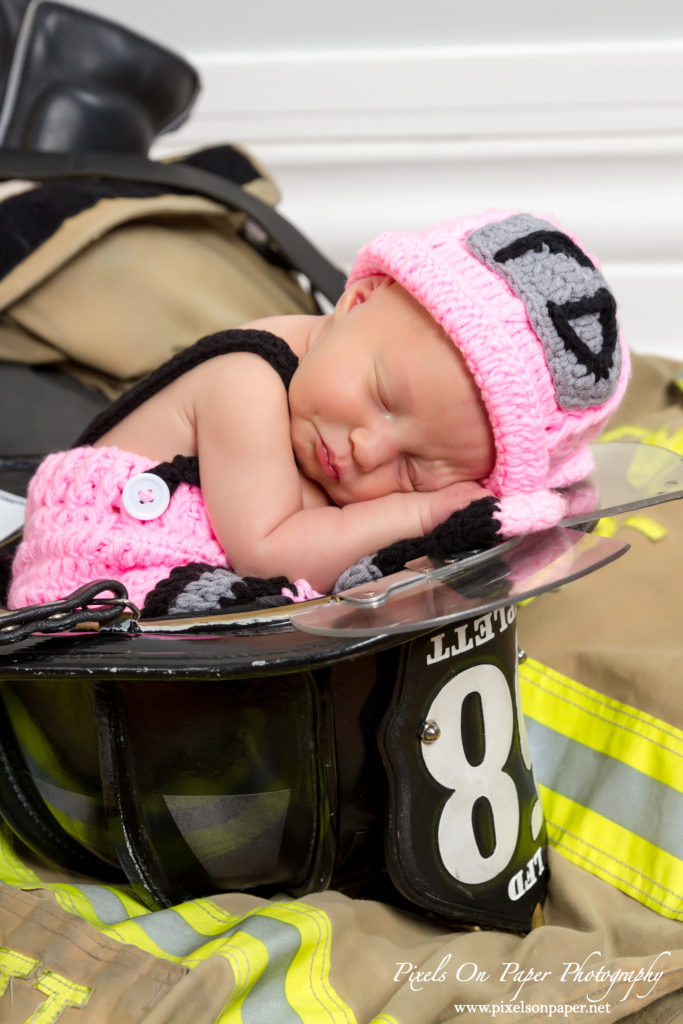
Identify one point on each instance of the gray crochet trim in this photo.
(362, 571)
(554, 278)
(204, 594)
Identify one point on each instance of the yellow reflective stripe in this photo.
(384, 1018)
(13, 871)
(248, 958)
(206, 917)
(211, 921)
(660, 438)
(133, 933)
(614, 854)
(651, 529)
(72, 899)
(611, 781)
(625, 431)
(132, 906)
(286, 943)
(307, 988)
(646, 464)
(674, 442)
(618, 730)
(606, 527)
(308, 985)
(74, 902)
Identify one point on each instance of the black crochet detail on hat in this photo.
(554, 241)
(602, 303)
(557, 283)
(273, 349)
(472, 528)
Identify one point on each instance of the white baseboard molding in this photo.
(433, 92)
(359, 141)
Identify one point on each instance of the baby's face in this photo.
(383, 402)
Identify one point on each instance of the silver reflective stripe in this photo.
(267, 1000)
(171, 932)
(107, 905)
(622, 794)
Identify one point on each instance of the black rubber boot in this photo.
(75, 82)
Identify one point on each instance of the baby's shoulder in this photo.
(233, 388)
(234, 370)
(294, 329)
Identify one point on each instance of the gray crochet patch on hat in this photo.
(567, 300)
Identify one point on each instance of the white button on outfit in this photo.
(146, 496)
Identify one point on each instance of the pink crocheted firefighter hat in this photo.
(536, 323)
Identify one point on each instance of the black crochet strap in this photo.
(273, 349)
(182, 469)
(294, 248)
(83, 605)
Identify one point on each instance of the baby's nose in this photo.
(372, 447)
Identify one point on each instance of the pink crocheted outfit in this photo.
(77, 529)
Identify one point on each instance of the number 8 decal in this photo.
(462, 845)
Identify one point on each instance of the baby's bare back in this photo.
(164, 425)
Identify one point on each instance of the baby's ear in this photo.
(361, 290)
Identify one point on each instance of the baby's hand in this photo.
(471, 526)
(439, 505)
(467, 529)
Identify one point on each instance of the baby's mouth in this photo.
(326, 460)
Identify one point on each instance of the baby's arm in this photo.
(253, 490)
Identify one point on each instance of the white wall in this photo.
(370, 117)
